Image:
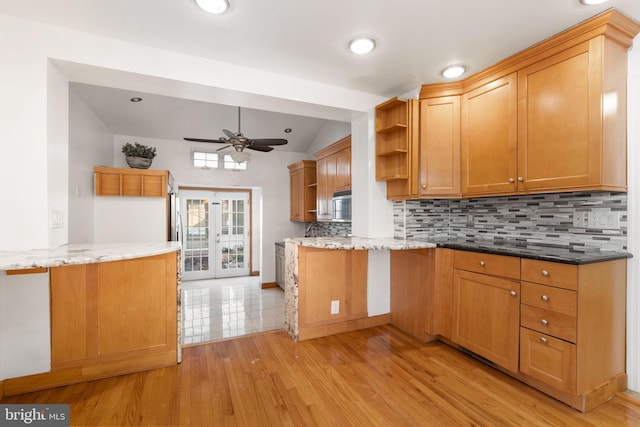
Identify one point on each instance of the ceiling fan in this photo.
(239, 142)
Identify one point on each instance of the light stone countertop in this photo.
(359, 243)
(82, 253)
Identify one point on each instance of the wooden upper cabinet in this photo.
(489, 137)
(571, 117)
(439, 166)
(303, 190)
(334, 174)
(130, 182)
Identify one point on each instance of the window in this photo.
(230, 164)
(205, 160)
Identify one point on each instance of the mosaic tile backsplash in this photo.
(541, 219)
(327, 229)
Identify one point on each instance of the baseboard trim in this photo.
(630, 396)
(310, 332)
(268, 285)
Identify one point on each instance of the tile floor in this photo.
(225, 308)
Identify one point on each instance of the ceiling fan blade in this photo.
(263, 148)
(229, 133)
(222, 140)
(226, 146)
(268, 141)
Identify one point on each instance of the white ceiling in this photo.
(307, 39)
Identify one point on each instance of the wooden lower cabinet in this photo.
(548, 359)
(486, 312)
(421, 292)
(108, 319)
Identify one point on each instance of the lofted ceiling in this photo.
(416, 39)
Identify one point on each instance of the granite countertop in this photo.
(82, 253)
(359, 243)
(573, 255)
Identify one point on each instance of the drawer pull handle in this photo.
(513, 293)
(543, 340)
(511, 180)
(545, 273)
(482, 264)
(544, 298)
(545, 322)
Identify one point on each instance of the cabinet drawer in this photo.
(548, 359)
(550, 273)
(550, 298)
(495, 265)
(548, 322)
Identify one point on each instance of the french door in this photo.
(215, 234)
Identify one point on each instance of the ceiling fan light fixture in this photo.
(239, 156)
(362, 45)
(213, 6)
(453, 71)
(592, 2)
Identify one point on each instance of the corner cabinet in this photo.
(130, 182)
(397, 147)
(303, 188)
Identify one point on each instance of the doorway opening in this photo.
(216, 233)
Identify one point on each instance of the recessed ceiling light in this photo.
(454, 71)
(136, 99)
(592, 2)
(213, 6)
(287, 130)
(362, 45)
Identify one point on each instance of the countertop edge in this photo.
(75, 254)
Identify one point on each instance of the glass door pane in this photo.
(232, 241)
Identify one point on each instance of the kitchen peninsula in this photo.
(86, 311)
(326, 283)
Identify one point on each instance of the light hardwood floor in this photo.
(374, 377)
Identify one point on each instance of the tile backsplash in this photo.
(540, 219)
(321, 229)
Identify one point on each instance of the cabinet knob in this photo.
(520, 179)
(424, 186)
(545, 273)
(513, 293)
(482, 264)
(544, 298)
(511, 180)
(545, 322)
(543, 340)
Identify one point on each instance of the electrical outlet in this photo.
(580, 220)
(335, 307)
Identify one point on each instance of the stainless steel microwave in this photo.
(341, 206)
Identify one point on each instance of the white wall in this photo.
(330, 133)
(633, 212)
(90, 144)
(27, 103)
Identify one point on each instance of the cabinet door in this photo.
(440, 146)
(559, 122)
(326, 172)
(343, 170)
(297, 195)
(549, 360)
(489, 138)
(486, 311)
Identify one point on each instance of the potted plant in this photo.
(138, 156)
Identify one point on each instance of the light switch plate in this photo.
(335, 307)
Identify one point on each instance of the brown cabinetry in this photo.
(130, 182)
(572, 335)
(333, 175)
(303, 187)
(397, 147)
(486, 307)
(489, 138)
(439, 166)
